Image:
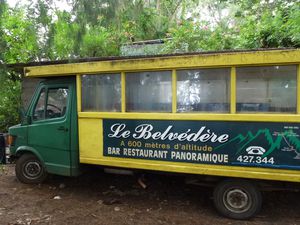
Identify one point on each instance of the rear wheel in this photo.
(30, 170)
(237, 199)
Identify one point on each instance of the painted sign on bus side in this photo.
(256, 144)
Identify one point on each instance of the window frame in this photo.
(79, 88)
(297, 109)
(228, 76)
(129, 73)
(232, 94)
(46, 88)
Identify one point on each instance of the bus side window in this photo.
(267, 89)
(149, 91)
(203, 90)
(101, 93)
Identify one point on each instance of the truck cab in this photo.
(42, 143)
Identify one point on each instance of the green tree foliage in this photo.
(141, 21)
(124, 20)
(98, 42)
(273, 25)
(18, 36)
(9, 82)
(99, 27)
(190, 36)
(62, 29)
(249, 24)
(3, 8)
(9, 99)
(293, 25)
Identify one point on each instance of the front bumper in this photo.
(8, 157)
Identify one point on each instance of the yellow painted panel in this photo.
(90, 138)
(91, 152)
(174, 91)
(194, 116)
(78, 91)
(233, 90)
(298, 89)
(123, 93)
(291, 56)
(189, 168)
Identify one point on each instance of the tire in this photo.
(30, 170)
(237, 199)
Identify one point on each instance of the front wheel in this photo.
(29, 169)
(237, 199)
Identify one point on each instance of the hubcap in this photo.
(237, 201)
(32, 170)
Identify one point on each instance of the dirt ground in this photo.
(99, 198)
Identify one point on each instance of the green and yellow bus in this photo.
(231, 115)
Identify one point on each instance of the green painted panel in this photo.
(53, 137)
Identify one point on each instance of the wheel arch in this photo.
(27, 149)
(29, 168)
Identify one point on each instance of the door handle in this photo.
(62, 128)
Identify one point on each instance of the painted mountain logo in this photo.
(285, 141)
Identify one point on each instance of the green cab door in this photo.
(49, 131)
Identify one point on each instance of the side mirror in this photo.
(28, 119)
(22, 113)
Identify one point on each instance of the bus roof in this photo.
(160, 62)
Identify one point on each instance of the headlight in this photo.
(7, 150)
